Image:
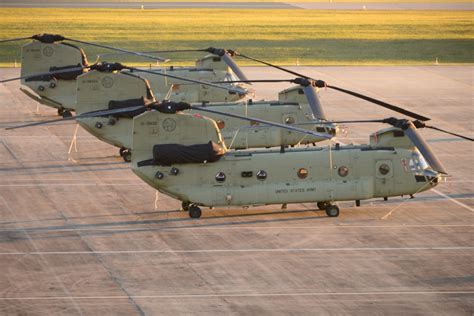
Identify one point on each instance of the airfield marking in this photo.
(139, 229)
(234, 295)
(453, 200)
(119, 252)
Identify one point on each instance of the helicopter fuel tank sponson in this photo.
(168, 154)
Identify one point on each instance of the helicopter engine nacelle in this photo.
(390, 137)
(213, 62)
(106, 91)
(54, 90)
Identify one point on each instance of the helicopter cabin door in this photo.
(384, 183)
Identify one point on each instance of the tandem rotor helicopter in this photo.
(54, 53)
(298, 105)
(184, 155)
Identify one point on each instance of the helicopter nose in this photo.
(433, 177)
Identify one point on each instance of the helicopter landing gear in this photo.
(126, 154)
(323, 205)
(185, 206)
(332, 210)
(194, 211)
(67, 114)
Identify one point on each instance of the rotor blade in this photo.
(381, 103)
(259, 80)
(54, 72)
(15, 39)
(252, 119)
(314, 103)
(129, 109)
(355, 94)
(424, 148)
(450, 133)
(42, 123)
(235, 68)
(157, 52)
(274, 66)
(340, 122)
(236, 90)
(118, 49)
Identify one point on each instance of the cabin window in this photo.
(384, 169)
(302, 173)
(320, 129)
(220, 177)
(261, 175)
(343, 171)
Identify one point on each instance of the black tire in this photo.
(194, 211)
(127, 156)
(121, 151)
(323, 205)
(67, 114)
(332, 211)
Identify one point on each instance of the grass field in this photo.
(144, 1)
(282, 36)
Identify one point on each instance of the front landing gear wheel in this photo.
(194, 211)
(323, 205)
(126, 154)
(332, 211)
(66, 114)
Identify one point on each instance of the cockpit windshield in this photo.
(418, 162)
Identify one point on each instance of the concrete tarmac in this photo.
(81, 234)
(375, 6)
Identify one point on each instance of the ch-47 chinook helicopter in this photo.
(107, 86)
(184, 156)
(49, 53)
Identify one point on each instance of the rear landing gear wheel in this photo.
(194, 211)
(323, 205)
(332, 211)
(60, 111)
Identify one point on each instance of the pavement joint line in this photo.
(118, 228)
(38, 298)
(119, 252)
(453, 200)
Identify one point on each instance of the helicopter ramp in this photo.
(80, 234)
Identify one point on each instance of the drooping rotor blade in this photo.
(52, 38)
(118, 49)
(41, 123)
(130, 109)
(252, 119)
(381, 103)
(45, 74)
(99, 113)
(447, 132)
(235, 90)
(424, 148)
(15, 39)
(355, 94)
